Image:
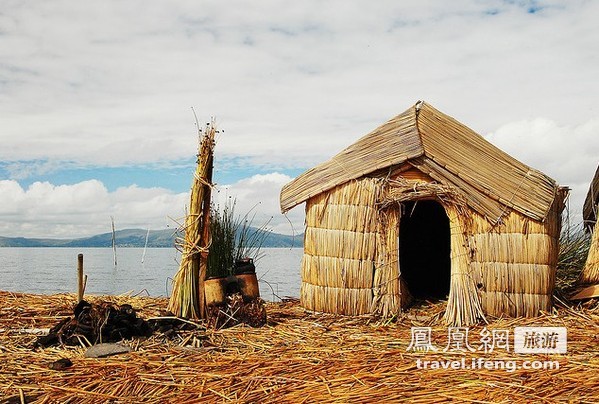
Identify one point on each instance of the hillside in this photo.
(133, 238)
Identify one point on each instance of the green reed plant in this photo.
(574, 243)
(233, 238)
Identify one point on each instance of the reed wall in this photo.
(340, 247)
(514, 263)
(351, 265)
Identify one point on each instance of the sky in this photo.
(96, 97)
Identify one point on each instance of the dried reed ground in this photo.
(298, 357)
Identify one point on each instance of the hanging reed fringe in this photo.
(187, 299)
(390, 292)
(463, 305)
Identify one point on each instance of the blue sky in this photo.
(96, 97)
(177, 177)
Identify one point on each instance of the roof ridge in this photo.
(456, 154)
(417, 107)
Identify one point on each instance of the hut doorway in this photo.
(424, 249)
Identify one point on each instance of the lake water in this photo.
(54, 270)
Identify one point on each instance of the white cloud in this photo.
(111, 83)
(83, 209)
(259, 195)
(568, 154)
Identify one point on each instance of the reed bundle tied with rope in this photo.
(590, 272)
(187, 299)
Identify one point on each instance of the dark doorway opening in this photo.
(424, 249)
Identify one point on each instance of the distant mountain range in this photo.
(134, 238)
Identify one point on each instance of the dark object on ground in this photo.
(97, 323)
(244, 266)
(61, 364)
(236, 311)
(80, 307)
(108, 349)
(169, 326)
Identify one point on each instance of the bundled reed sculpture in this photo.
(187, 299)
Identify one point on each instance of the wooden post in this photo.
(113, 241)
(80, 282)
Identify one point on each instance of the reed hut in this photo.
(423, 206)
(590, 272)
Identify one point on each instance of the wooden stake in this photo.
(80, 282)
(143, 256)
(113, 241)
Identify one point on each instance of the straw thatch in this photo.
(340, 249)
(504, 221)
(448, 151)
(297, 358)
(590, 272)
(514, 263)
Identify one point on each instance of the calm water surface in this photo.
(54, 270)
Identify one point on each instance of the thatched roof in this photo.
(449, 152)
(588, 211)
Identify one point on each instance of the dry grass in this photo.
(464, 304)
(297, 357)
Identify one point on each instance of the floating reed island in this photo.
(425, 207)
(421, 209)
(297, 357)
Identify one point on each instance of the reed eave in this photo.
(450, 152)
